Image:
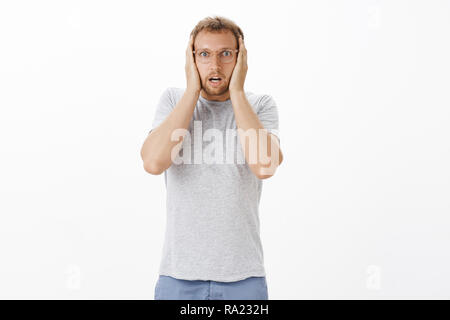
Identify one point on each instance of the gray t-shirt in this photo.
(212, 222)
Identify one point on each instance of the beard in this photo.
(212, 91)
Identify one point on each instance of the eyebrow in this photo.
(206, 49)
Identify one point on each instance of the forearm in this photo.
(261, 149)
(157, 148)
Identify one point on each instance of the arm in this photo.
(262, 145)
(157, 148)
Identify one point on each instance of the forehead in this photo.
(216, 40)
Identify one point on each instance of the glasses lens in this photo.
(225, 56)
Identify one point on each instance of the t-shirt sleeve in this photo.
(163, 108)
(268, 115)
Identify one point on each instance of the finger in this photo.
(241, 41)
(241, 55)
(190, 47)
(244, 51)
(190, 43)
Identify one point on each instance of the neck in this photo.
(223, 97)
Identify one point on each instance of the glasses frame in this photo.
(215, 53)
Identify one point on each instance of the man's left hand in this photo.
(240, 69)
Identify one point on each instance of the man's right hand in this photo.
(192, 75)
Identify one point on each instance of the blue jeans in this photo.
(169, 288)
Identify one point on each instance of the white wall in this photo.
(358, 209)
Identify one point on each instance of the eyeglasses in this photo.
(226, 56)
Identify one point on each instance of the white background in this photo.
(358, 209)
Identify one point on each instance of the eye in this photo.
(226, 53)
(203, 52)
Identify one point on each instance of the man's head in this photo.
(214, 35)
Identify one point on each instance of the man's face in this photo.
(215, 42)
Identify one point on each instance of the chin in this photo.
(215, 91)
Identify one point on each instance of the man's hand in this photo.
(192, 75)
(240, 69)
(248, 121)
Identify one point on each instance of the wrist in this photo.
(195, 92)
(234, 93)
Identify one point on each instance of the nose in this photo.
(215, 60)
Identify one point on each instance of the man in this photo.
(212, 247)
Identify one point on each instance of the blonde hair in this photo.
(218, 24)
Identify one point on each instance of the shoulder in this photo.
(173, 91)
(173, 94)
(259, 100)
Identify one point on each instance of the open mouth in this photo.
(215, 81)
